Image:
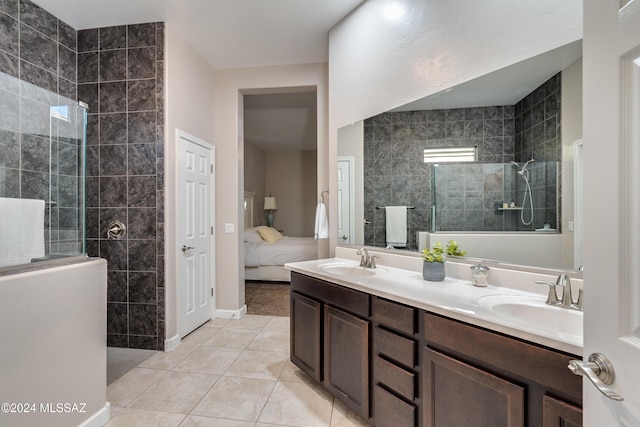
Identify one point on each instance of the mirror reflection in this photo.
(508, 196)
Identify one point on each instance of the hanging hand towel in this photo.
(396, 226)
(322, 224)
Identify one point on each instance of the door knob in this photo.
(345, 237)
(185, 248)
(599, 371)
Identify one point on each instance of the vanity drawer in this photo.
(394, 412)
(394, 347)
(336, 295)
(395, 378)
(394, 315)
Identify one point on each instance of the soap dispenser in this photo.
(479, 275)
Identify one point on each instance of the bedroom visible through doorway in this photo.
(280, 177)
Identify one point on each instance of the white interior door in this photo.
(611, 66)
(345, 200)
(196, 272)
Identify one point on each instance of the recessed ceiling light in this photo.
(394, 10)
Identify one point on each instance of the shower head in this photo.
(523, 168)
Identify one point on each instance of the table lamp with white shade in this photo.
(270, 205)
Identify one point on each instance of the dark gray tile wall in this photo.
(395, 173)
(538, 137)
(39, 156)
(120, 72)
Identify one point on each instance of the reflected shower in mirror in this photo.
(396, 173)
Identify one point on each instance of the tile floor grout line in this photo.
(135, 399)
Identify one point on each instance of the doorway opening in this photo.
(280, 128)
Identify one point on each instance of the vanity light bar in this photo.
(456, 154)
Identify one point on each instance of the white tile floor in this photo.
(232, 373)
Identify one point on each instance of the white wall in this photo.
(376, 64)
(229, 87)
(189, 98)
(53, 334)
(571, 132)
(291, 178)
(352, 145)
(255, 172)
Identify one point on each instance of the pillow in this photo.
(269, 235)
(251, 235)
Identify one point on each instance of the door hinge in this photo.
(211, 291)
(212, 230)
(211, 168)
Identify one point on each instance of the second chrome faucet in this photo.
(366, 260)
(566, 301)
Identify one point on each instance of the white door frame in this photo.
(352, 161)
(578, 204)
(180, 136)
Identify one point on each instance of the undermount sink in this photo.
(342, 269)
(534, 311)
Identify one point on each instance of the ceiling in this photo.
(281, 122)
(237, 34)
(506, 86)
(227, 33)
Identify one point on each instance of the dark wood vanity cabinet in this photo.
(399, 366)
(475, 377)
(396, 396)
(305, 337)
(346, 358)
(330, 338)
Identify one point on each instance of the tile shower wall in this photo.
(38, 70)
(538, 136)
(120, 75)
(395, 173)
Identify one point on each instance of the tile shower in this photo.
(395, 174)
(40, 151)
(118, 71)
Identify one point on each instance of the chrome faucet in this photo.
(366, 260)
(567, 298)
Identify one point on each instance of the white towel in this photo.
(21, 230)
(322, 224)
(397, 226)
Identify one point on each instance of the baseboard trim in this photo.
(171, 343)
(232, 314)
(99, 418)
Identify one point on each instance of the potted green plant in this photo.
(433, 266)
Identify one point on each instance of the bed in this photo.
(266, 251)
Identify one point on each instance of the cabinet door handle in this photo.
(599, 371)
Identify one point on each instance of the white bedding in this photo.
(289, 249)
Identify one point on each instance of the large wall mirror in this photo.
(491, 163)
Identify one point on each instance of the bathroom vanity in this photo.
(403, 352)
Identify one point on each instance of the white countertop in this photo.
(454, 298)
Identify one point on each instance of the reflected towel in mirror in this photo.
(396, 226)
